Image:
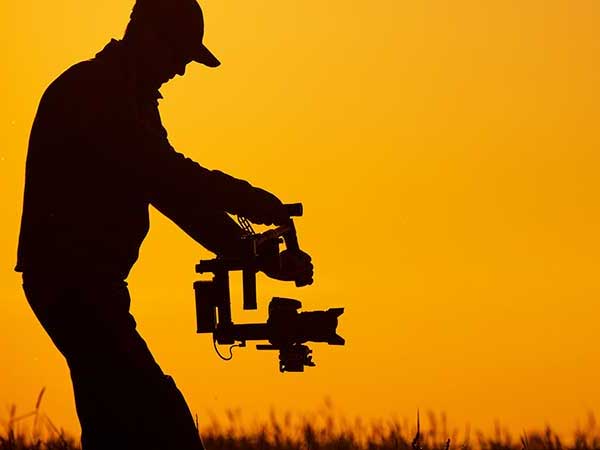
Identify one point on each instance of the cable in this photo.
(241, 344)
(246, 225)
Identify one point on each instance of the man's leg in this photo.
(123, 398)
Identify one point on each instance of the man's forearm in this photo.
(212, 229)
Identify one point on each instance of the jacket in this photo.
(98, 156)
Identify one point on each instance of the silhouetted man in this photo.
(98, 157)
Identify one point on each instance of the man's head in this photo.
(172, 32)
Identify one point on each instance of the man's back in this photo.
(82, 210)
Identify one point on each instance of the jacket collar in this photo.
(116, 52)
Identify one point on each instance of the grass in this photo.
(320, 431)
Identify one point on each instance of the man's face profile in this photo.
(173, 61)
(162, 60)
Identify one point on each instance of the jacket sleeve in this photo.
(213, 229)
(195, 198)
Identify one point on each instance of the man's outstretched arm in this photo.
(195, 198)
(137, 145)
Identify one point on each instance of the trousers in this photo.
(122, 397)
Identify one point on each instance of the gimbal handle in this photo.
(294, 209)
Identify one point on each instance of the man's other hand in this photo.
(295, 265)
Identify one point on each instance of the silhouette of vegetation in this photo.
(323, 430)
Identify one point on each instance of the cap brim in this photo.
(204, 56)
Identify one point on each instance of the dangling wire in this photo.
(246, 225)
(241, 344)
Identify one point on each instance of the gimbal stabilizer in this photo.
(286, 329)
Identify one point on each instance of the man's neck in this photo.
(141, 68)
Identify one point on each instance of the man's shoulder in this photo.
(86, 78)
(87, 88)
(98, 77)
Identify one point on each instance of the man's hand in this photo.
(265, 209)
(294, 266)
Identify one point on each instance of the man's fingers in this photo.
(295, 266)
(304, 281)
(304, 275)
(266, 209)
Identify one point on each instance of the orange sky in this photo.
(446, 155)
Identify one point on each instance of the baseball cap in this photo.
(180, 23)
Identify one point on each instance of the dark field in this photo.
(321, 431)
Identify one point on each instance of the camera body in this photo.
(287, 330)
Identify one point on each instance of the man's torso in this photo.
(84, 212)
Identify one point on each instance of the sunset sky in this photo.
(446, 153)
